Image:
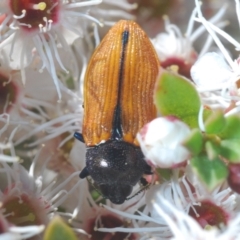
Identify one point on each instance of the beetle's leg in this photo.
(148, 170)
(79, 136)
(84, 173)
(143, 181)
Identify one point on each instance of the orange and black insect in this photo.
(118, 101)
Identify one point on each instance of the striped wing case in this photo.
(119, 84)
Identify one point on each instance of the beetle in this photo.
(118, 101)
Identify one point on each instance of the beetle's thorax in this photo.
(115, 161)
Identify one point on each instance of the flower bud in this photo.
(161, 142)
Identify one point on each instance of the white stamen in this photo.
(45, 126)
(32, 167)
(53, 45)
(74, 64)
(21, 16)
(5, 146)
(81, 231)
(12, 26)
(82, 4)
(40, 110)
(214, 36)
(208, 43)
(45, 28)
(108, 23)
(225, 35)
(38, 103)
(14, 38)
(51, 67)
(213, 20)
(7, 103)
(96, 35)
(32, 114)
(57, 189)
(27, 231)
(61, 192)
(7, 120)
(4, 25)
(57, 133)
(7, 170)
(114, 14)
(238, 11)
(54, 5)
(191, 23)
(38, 44)
(40, 28)
(25, 25)
(48, 188)
(22, 68)
(50, 22)
(62, 199)
(121, 4)
(6, 158)
(78, 14)
(65, 140)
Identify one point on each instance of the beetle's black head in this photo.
(117, 194)
(115, 167)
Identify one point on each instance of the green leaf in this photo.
(178, 97)
(194, 142)
(215, 122)
(212, 150)
(57, 229)
(232, 128)
(211, 172)
(230, 149)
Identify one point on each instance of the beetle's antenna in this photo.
(141, 190)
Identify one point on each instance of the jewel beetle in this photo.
(118, 102)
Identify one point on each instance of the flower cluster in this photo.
(192, 191)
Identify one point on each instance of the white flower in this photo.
(217, 75)
(168, 206)
(161, 142)
(38, 30)
(183, 226)
(206, 208)
(175, 48)
(220, 72)
(39, 196)
(56, 119)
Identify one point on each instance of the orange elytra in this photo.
(118, 102)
